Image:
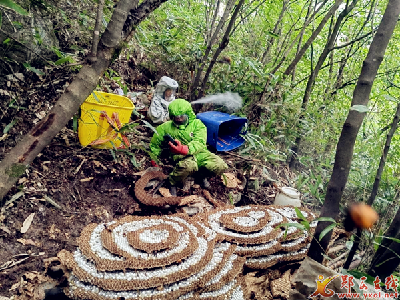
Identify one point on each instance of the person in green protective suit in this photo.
(190, 152)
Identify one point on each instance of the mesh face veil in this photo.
(180, 120)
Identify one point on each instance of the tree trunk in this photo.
(314, 74)
(374, 192)
(210, 43)
(303, 49)
(223, 44)
(301, 34)
(351, 127)
(18, 159)
(392, 231)
(388, 262)
(97, 27)
(315, 33)
(275, 31)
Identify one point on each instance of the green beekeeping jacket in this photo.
(194, 134)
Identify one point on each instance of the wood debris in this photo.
(87, 179)
(27, 223)
(29, 242)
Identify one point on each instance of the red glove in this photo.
(179, 149)
(154, 164)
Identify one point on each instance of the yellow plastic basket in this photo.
(93, 127)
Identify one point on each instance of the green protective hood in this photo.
(181, 107)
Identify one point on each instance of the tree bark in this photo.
(394, 230)
(315, 33)
(380, 256)
(97, 27)
(351, 127)
(210, 44)
(303, 49)
(388, 262)
(301, 34)
(18, 159)
(275, 31)
(314, 74)
(223, 44)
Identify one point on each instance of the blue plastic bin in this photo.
(223, 130)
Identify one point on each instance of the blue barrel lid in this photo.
(223, 130)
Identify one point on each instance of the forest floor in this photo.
(69, 186)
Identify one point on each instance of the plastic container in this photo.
(223, 130)
(288, 196)
(92, 126)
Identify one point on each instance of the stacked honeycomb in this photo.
(177, 257)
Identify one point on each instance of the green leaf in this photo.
(113, 152)
(270, 33)
(299, 214)
(62, 60)
(75, 123)
(14, 6)
(95, 97)
(349, 244)
(360, 108)
(389, 238)
(390, 98)
(9, 126)
(326, 230)
(305, 224)
(225, 179)
(147, 124)
(251, 65)
(297, 225)
(34, 70)
(325, 219)
(133, 160)
(6, 41)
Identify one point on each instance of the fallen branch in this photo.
(335, 261)
(336, 249)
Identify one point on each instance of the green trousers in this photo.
(189, 164)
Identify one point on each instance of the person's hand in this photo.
(154, 164)
(179, 148)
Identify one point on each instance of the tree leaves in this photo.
(33, 69)
(360, 108)
(9, 126)
(390, 98)
(326, 230)
(14, 6)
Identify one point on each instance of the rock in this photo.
(188, 184)
(143, 98)
(198, 205)
(235, 197)
(191, 210)
(306, 276)
(19, 76)
(230, 180)
(305, 281)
